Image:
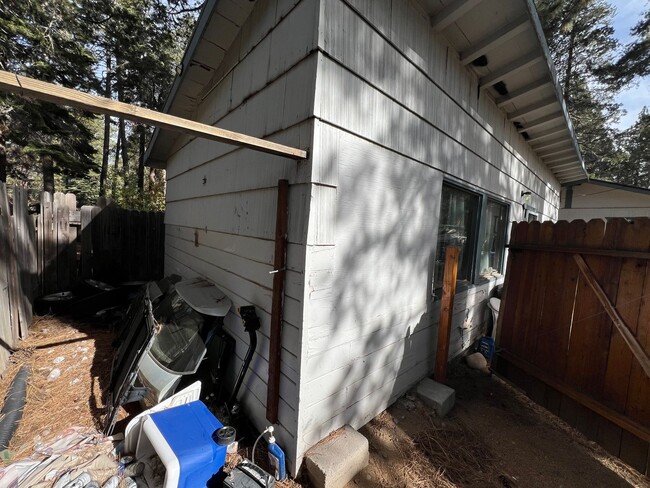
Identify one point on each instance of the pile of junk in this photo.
(172, 355)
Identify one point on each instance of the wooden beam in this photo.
(533, 107)
(494, 40)
(446, 312)
(277, 302)
(518, 64)
(563, 173)
(558, 167)
(49, 92)
(560, 150)
(547, 133)
(550, 142)
(542, 121)
(451, 13)
(621, 326)
(619, 253)
(613, 416)
(522, 92)
(560, 159)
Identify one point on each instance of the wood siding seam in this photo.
(517, 158)
(428, 165)
(442, 89)
(234, 192)
(232, 149)
(231, 292)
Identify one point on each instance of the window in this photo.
(477, 225)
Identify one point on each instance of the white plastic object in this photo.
(204, 297)
(494, 304)
(132, 431)
(150, 435)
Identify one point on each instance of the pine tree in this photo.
(581, 40)
(47, 40)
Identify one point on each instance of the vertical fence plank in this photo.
(24, 248)
(62, 247)
(6, 334)
(86, 242)
(49, 245)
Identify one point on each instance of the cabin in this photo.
(600, 199)
(428, 123)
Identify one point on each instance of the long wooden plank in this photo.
(619, 253)
(629, 338)
(50, 92)
(277, 304)
(446, 312)
(621, 420)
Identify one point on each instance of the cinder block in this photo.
(337, 459)
(440, 397)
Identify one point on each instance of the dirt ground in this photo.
(494, 436)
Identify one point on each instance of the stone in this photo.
(337, 459)
(438, 396)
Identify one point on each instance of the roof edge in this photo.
(197, 33)
(539, 32)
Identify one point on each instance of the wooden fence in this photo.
(574, 327)
(17, 270)
(102, 242)
(50, 251)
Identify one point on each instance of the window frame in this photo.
(479, 227)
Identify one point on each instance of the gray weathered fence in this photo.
(17, 269)
(48, 252)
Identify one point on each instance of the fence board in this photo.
(579, 367)
(86, 242)
(6, 333)
(25, 258)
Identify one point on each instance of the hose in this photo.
(247, 361)
(269, 429)
(12, 410)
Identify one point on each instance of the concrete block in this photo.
(337, 459)
(440, 397)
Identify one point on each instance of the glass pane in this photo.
(178, 346)
(458, 211)
(494, 238)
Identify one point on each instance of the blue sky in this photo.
(628, 13)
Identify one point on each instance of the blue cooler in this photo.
(181, 437)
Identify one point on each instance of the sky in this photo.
(628, 14)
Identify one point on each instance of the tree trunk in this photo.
(3, 159)
(107, 131)
(48, 173)
(125, 153)
(117, 160)
(142, 135)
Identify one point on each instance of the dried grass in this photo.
(76, 397)
(458, 452)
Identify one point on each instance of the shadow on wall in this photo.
(375, 333)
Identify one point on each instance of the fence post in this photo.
(446, 312)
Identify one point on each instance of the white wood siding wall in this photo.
(225, 197)
(593, 201)
(396, 114)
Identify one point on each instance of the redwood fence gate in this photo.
(574, 327)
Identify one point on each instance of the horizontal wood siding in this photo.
(593, 201)
(221, 200)
(396, 115)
